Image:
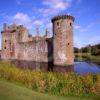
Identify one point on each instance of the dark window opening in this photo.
(58, 23)
(4, 47)
(68, 43)
(70, 24)
(5, 40)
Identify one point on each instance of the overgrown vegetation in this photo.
(88, 53)
(93, 49)
(52, 83)
(86, 57)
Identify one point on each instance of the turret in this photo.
(12, 28)
(6, 43)
(63, 52)
(47, 35)
(37, 32)
(4, 27)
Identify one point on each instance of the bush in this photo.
(53, 83)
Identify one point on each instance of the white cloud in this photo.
(46, 12)
(76, 26)
(49, 25)
(24, 19)
(21, 18)
(53, 7)
(57, 4)
(38, 22)
(81, 29)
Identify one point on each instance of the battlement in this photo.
(21, 29)
(12, 28)
(62, 17)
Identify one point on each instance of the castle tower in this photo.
(47, 35)
(63, 51)
(6, 43)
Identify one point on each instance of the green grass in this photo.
(62, 84)
(86, 56)
(10, 91)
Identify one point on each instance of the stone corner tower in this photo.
(8, 47)
(63, 49)
(5, 43)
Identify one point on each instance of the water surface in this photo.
(86, 68)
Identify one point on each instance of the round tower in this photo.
(63, 50)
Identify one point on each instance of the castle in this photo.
(18, 44)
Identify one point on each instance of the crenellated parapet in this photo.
(12, 28)
(62, 17)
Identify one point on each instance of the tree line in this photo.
(93, 49)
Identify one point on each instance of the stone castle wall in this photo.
(33, 51)
(18, 44)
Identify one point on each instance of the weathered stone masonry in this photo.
(18, 44)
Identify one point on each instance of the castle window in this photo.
(4, 47)
(5, 40)
(70, 24)
(68, 43)
(58, 24)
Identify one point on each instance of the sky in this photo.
(38, 13)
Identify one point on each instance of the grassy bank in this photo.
(86, 57)
(10, 91)
(52, 83)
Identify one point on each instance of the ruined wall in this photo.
(11, 36)
(33, 51)
(22, 34)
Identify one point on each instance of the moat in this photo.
(86, 68)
